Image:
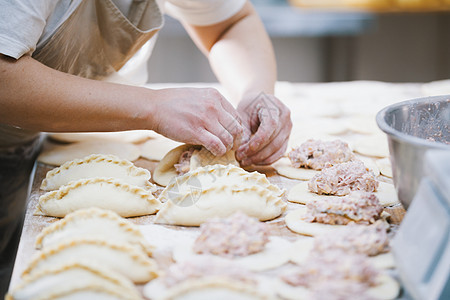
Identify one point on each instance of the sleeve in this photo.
(21, 25)
(203, 12)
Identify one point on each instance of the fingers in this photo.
(229, 128)
(269, 119)
(232, 128)
(223, 134)
(271, 153)
(222, 121)
(270, 139)
(229, 108)
(276, 145)
(232, 122)
(211, 142)
(269, 123)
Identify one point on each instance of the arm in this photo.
(241, 55)
(36, 97)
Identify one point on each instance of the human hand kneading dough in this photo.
(268, 124)
(199, 116)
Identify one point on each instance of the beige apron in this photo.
(94, 42)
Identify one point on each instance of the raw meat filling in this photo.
(343, 178)
(205, 268)
(334, 274)
(370, 240)
(316, 154)
(184, 163)
(358, 207)
(237, 235)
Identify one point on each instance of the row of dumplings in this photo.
(108, 182)
(218, 188)
(90, 254)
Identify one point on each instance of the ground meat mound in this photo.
(317, 154)
(237, 235)
(334, 275)
(370, 240)
(343, 178)
(205, 268)
(358, 207)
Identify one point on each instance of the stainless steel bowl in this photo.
(413, 127)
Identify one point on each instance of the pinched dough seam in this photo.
(133, 252)
(64, 190)
(210, 169)
(100, 272)
(262, 192)
(97, 158)
(90, 213)
(223, 171)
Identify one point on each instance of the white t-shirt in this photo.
(28, 24)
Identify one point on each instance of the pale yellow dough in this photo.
(276, 253)
(157, 148)
(363, 124)
(219, 191)
(301, 194)
(284, 168)
(296, 224)
(96, 165)
(384, 164)
(106, 193)
(123, 258)
(165, 171)
(373, 145)
(387, 289)
(60, 154)
(93, 223)
(301, 249)
(72, 278)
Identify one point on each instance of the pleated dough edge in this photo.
(89, 213)
(104, 273)
(134, 253)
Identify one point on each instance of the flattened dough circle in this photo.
(276, 253)
(300, 194)
(284, 168)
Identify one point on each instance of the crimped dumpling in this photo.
(93, 223)
(219, 191)
(186, 158)
(74, 278)
(107, 193)
(125, 259)
(96, 165)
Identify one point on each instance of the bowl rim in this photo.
(380, 119)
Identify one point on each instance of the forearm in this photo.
(243, 57)
(33, 96)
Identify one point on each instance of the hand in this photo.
(267, 123)
(199, 116)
